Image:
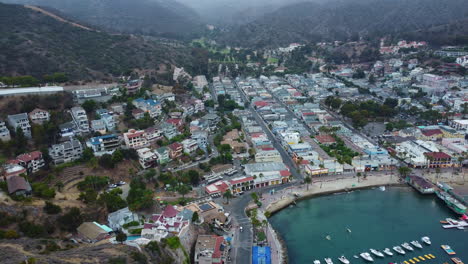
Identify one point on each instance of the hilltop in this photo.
(37, 42)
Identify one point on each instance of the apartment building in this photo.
(67, 151)
(20, 121)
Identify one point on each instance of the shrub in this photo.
(31, 229)
(51, 208)
(42, 190)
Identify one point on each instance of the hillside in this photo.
(341, 20)
(35, 43)
(455, 33)
(150, 17)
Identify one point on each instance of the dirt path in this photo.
(35, 8)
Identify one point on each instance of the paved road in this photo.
(276, 144)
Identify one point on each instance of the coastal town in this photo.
(202, 164)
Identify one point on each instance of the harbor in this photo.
(332, 240)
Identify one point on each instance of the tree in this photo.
(51, 208)
(121, 237)
(150, 174)
(195, 217)
(89, 106)
(308, 180)
(404, 171)
(71, 220)
(358, 175)
(112, 200)
(59, 185)
(227, 195)
(106, 161)
(183, 190)
(87, 154)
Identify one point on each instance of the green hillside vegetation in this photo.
(38, 45)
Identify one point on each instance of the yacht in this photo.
(328, 261)
(316, 261)
(416, 244)
(367, 256)
(388, 252)
(426, 240)
(343, 260)
(377, 253)
(399, 250)
(407, 246)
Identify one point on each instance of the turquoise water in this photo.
(131, 238)
(377, 219)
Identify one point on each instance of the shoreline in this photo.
(326, 188)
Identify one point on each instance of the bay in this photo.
(377, 219)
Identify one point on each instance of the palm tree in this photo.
(358, 175)
(437, 171)
(404, 171)
(228, 195)
(308, 180)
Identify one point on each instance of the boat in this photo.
(416, 244)
(399, 250)
(426, 240)
(328, 261)
(388, 252)
(432, 256)
(452, 203)
(443, 222)
(421, 258)
(406, 262)
(382, 188)
(355, 256)
(416, 259)
(316, 261)
(367, 256)
(377, 253)
(407, 246)
(328, 237)
(412, 261)
(343, 260)
(449, 250)
(349, 230)
(457, 261)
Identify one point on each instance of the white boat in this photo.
(377, 253)
(382, 188)
(416, 244)
(407, 246)
(343, 260)
(367, 256)
(388, 252)
(316, 261)
(328, 261)
(355, 256)
(426, 240)
(399, 250)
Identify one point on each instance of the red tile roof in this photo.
(245, 179)
(217, 248)
(27, 157)
(174, 121)
(176, 146)
(325, 139)
(170, 211)
(285, 173)
(438, 155)
(431, 132)
(260, 103)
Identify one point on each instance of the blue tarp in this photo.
(261, 255)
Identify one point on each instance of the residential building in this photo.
(135, 139)
(67, 129)
(189, 145)
(32, 161)
(18, 186)
(217, 189)
(209, 249)
(67, 151)
(39, 116)
(147, 158)
(4, 132)
(98, 126)
(431, 134)
(201, 137)
(80, 119)
(150, 106)
(121, 217)
(20, 121)
(212, 120)
(153, 134)
(175, 150)
(163, 155)
(459, 124)
(106, 144)
(161, 225)
(92, 232)
(199, 82)
(10, 170)
(133, 86)
(177, 122)
(109, 121)
(138, 113)
(169, 130)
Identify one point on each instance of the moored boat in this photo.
(426, 240)
(316, 261)
(448, 249)
(367, 256)
(457, 261)
(328, 261)
(416, 244)
(388, 252)
(343, 260)
(407, 246)
(399, 250)
(377, 253)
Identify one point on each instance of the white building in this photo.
(291, 137)
(146, 158)
(20, 121)
(267, 155)
(106, 144)
(463, 61)
(190, 145)
(4, 132)
(39, 116)
(459, 124)
(80, 119)
(67, 151)
(135, 139)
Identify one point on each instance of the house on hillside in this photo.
(39, 116)
(18, 186)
